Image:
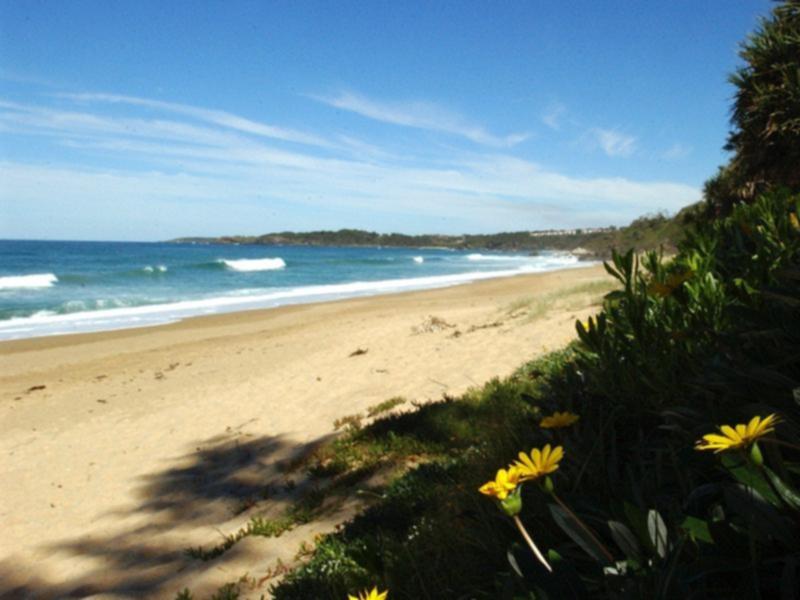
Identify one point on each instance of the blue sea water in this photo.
(49, 288)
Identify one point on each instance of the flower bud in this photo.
(512, 505)
(755, 455)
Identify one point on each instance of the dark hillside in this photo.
(645, 233)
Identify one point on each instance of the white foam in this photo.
(75, 306)
(151, 269)
(158, 314)
(419, 260)
(254, 264)
(102, 303)
(498, 257)
(39, 280)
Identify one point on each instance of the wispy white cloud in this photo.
(42, 120)
(17, 77)
(553, 116)
(217, 117)
(420, 115)
(479, 200)
(365, 150)
(613, 142)
(195, 159)
(676, 152)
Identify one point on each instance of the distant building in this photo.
(581, 230)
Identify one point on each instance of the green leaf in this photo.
(657, 530)
(788, 494)
(615, 295)
(625, 539)
(613, 272)
(637, 521)
(568, 524)
(512, 560)
(747, 474)
(697, 529)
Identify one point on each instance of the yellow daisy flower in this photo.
(539, 463)
(672, 283)
(741, 436)
(659, 289)
(504, 483)
(373, 595)
(558, 420)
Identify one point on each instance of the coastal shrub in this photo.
(229, 591)
(385, 406)
(428, 531)
(708, 338)
(679, 474)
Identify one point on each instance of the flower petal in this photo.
(526, 461)
(489, 488)
(753, 426)
(536, 457)
(713, 438)
(731, 433)
(768, 424)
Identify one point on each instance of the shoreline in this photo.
(152, 315)
(127, 447)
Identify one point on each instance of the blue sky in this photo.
(151, 120)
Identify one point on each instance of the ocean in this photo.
(52, 288)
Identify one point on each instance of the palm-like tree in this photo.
(766, 110)
(765, 119)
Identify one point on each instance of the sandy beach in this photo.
(122, 449)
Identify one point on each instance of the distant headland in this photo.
(645, 233)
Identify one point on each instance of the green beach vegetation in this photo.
(646, 233)
(657, 456)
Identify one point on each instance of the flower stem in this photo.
(533, 546)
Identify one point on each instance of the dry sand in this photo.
(121, 449)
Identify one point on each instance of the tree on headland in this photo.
(765, 139)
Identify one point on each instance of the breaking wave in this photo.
(254, 264)
(39, 280)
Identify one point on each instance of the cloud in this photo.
(553, 115)
(235, 198)
(204, 168)
(217, 117)
(420, 115)
(25, 78)
(676, 152)
(614, 143)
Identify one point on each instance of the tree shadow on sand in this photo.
(202, 489)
